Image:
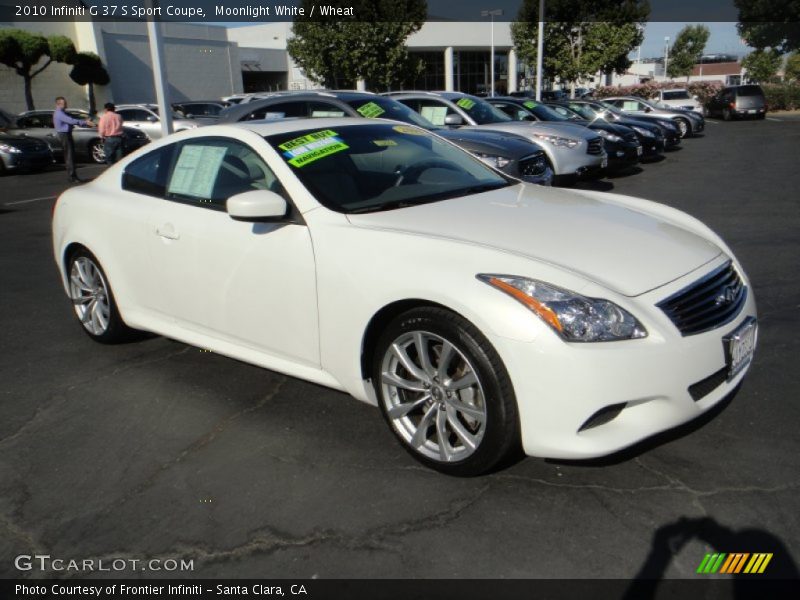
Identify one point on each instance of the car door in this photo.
(251, 284)
(40, 126)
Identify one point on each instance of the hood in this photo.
(527, 128)
(624, 250)
(491, 142)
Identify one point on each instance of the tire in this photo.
(93, 301)
(684, 126)
(97, 152)
(462, 389)
(726, 114)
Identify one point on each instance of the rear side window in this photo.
(279, 110)
(148, 174)
(750, 90)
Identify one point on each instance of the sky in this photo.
(724, 38)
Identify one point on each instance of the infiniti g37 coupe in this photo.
(478, 312)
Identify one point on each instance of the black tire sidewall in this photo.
(502, 430)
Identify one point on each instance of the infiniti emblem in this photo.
(726, 296)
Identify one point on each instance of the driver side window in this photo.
(208, 171)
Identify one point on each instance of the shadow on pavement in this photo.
(669, 539)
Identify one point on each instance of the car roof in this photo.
(278, 126)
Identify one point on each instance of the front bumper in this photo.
(28, 161)
(560, 386)
(623, 154)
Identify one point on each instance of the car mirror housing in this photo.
(152, 118)
(453, 120)
(256, 206)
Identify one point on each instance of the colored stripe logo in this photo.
(735, 563)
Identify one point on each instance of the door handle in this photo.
(168, 232)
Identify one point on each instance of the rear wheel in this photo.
(93, 300)
(684, 127)
(727, 115)
(444, 392)
(97, 152)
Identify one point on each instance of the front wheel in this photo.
(445, 393)
(93, 300)
(683, 126)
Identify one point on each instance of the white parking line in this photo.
(711, 122)
(774, 119)
(29, 200)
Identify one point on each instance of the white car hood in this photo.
(623, 249)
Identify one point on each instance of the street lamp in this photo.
(666, 56)
(497, 12)
(539, 50)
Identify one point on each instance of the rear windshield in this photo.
(750, 90)
(381, 166)
(676, 95)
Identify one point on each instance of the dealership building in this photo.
(207, 62)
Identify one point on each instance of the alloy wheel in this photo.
(89, 294)
(433, 397)
(98, 153)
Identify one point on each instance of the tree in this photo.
(791, 70)
(770, 24)
(337, 52)
(22, 51)
(581, 36)
(687, 50)
(88, 70)
(762, 65)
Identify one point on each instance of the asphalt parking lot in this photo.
(157, 449)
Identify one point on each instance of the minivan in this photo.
(739, 101)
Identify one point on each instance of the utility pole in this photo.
(159, 71)
(539, 51)
(497, 12)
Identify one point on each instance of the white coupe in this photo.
(479, 313)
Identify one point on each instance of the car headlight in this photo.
(574, 317)
(644, 132)
(493, 160)
(668, 125)
(10, 149)
(556, 140)
(611, 137)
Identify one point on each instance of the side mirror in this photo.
(152, 118)
(648, 109)
(453, 120)
(257, 205)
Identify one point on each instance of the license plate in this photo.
(604, 164)
(740, 346)
(752, 111)
(638, 150)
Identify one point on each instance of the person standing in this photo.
(64, 124)
(110, 130)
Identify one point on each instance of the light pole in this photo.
(497, 12)
(666, 56)
(539, 51)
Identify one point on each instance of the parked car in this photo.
(378, 259)
(200, 108)
(688, 121)
(571, 150)
(669, 128)
(18, 153)
(514, 155)
(145, 118)
(739, 101)
(621, 143)
(88, 145)
(679, 98)
(653, 137)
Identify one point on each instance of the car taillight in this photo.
(733, 105)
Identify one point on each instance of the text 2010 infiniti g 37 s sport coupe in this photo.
(476, 311)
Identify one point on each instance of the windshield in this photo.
(175, 115)
(386, 108)
(611, 108)
(676, 95)
(481, 111)
(545, 113)
(584, 111)
(381, 166)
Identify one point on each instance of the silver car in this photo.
(571, 149)
(145, 118)
(689, 122)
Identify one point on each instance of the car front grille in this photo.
(533, 166)
(630, 137)
(709, 303)
(595, 146)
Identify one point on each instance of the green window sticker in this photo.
(530, 104)
(370, 110)
(465, 103)
(306, 149)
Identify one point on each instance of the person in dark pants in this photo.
(110, 130)
(64, 124)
